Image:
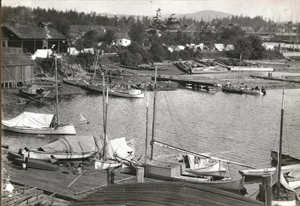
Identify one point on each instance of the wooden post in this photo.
(139, 174)
(153, 121)
(261, 196)
(112, 176)
(267, 185)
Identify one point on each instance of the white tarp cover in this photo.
(74, 144)
(41, 53)
(118, 148)
(219, 47)
(31, 120)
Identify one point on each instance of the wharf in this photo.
(57, 182)
(90, 189)
(185, 82)
(276, 79)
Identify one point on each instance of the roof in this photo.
(4, 37)
(15, 59)
(35, 32)
(164, 193)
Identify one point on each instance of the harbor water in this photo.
(240, 128)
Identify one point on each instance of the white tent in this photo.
(219, 47)
(42, 53)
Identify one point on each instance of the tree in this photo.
(137, 32)
(158, 52)
(258, 50)
(109, 37)
(242, 47)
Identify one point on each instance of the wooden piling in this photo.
(140, 174)
(267, 185)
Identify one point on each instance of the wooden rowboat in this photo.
(36, 164)
(285, 159)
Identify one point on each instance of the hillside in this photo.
(205, 15)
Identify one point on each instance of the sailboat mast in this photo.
(280, 146)
(154, 108)
(56, 89)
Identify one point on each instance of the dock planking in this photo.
(58, 181)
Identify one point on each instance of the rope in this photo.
(173, 118)
(254, 193)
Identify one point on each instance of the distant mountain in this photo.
(206, 15)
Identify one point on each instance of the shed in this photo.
(16, 67)
(31, 38)
(229, 47)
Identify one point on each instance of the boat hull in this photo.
(285, 159)
(267, 171)
(45, 156)
(36, 164)
(66, 129)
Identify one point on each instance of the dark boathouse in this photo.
(16, 67)
(31, 38)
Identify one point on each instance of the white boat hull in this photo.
(267, 171)
(103, 165)
(66, 129)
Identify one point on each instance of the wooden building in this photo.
(31, 38)
(16, 67)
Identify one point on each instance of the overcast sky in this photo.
(277, 10)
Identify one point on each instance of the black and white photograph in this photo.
(140, 102)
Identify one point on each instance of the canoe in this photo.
(103, 165)
(36, 123)
(267, 171)
(66, 148)
(285, 159)
(36, 164)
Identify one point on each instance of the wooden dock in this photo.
(63, 182)
(276, 79)
(184, 82)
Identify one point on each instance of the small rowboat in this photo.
(36, 164)
(285, 159)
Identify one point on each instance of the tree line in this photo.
(150, 36)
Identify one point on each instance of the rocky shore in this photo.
(143, 79)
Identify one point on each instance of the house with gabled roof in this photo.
(31, 38)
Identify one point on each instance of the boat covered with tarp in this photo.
(36, 123)
(116, 152)
(66, 148)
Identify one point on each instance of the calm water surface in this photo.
(241, 128)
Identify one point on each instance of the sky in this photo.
(276, 10)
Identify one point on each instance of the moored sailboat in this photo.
(37, 123)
